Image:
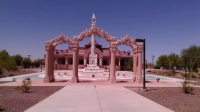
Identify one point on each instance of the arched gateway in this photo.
(137, 48)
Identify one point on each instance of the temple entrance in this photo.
(95, 62)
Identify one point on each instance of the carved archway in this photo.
(49, 61)
(137, 48)
(96, 31)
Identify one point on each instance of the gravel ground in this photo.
(1, 82)
(172, 98)
(14, 101)
(196, 83)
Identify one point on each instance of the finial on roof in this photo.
(93, 20)
(93, 17)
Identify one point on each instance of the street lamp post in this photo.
(144, 80)
(153, 59)
(29, 56)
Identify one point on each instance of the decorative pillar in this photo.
(66, 61)
(112, 64)
(135, 64)
(56, 61)
(85, 61)
(119, 61)
(75, 64)
(52, 63)
(49, 73)
(139, 68)
(100, 61)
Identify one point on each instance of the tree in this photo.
(169, 61)
(7, 62)
(192, 55)
(129, 64)
(174, 60)
(37, 63)
(26, 63)
(4, 56)
(162, 61)
(18, 59)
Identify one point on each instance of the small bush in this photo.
(25, 87)
(194, 75)
(182, 74)
(159, 72)
(153, 71)
(169, 73)
(1, 72)
(173, 72)
(186, 87)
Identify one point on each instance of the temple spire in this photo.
(93, 36)
(93, 20)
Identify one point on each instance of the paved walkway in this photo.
(99, 98)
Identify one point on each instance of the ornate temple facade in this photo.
(63, 59)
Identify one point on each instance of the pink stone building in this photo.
(63, 59)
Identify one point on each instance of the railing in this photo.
(70, 67)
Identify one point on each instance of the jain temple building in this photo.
(63, 59)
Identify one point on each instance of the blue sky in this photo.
(167, 25)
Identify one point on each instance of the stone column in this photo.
(52, 63)
(56, 61)
(49, 76)
(85, 61)
(119, 61)
(66, 61)
(75, 64)
(100, 61)
(135, 66)
(135, 63)
(112, 65)
(139, 68)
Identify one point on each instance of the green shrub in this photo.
(186, 87)
(153, 71)
(25, 87)
(159, 72)
(169, 73)
(194, 75)
(1, 72)
(173, 72)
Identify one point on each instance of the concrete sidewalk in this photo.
(100, 98)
